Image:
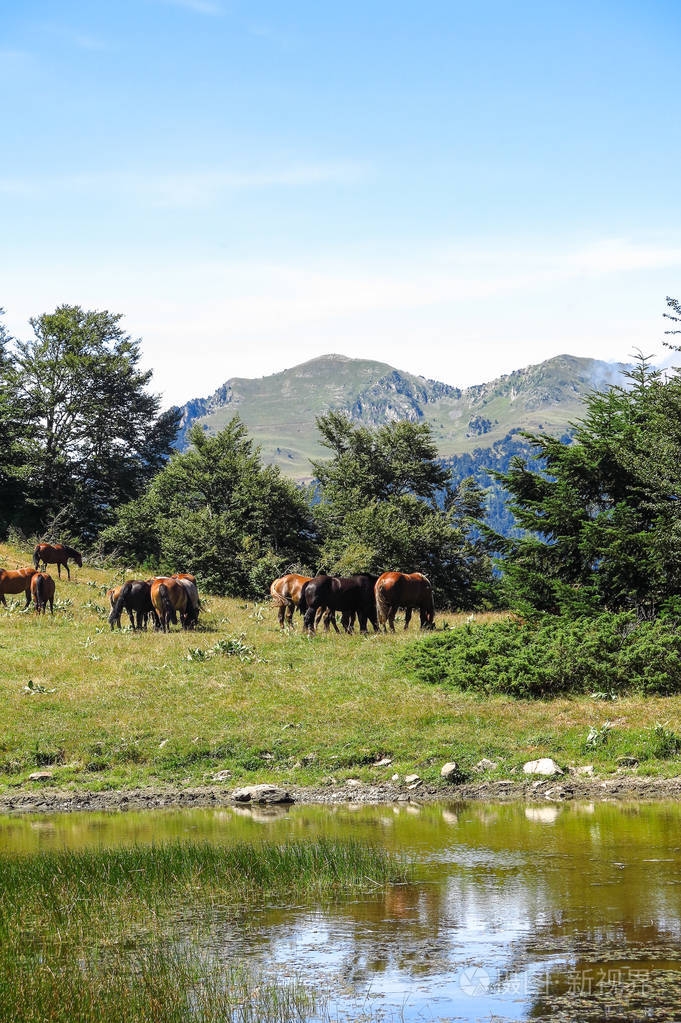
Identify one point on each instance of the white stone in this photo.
(263, 793)
(485, 765)
(545, 766)
(40, 776)
(411, 778)
(450, 770)
(395, 777)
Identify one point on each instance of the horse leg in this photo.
(2, 598)
(308, 620)
(281, 611)
(331, 618)
(361, 615)
(132, 620)
(68, 570)
(52, 606)
(407, 617)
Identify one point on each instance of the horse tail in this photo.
(118, 607)
(280, 599)
(302, 603)
(168, 609)
(382, 602)
(36, 557)
(40, 595)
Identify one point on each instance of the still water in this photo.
(547, 912)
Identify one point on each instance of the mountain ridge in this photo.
(280, 409)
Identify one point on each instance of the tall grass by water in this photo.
(92, 935)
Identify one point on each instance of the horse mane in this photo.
(71, 551)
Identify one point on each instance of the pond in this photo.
(519, 912)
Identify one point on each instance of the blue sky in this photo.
(458, 189)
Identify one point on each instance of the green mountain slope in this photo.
(280, 410)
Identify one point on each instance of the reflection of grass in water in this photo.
(69, 922)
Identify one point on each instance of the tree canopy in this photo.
(91, 435)
(215, 510)
(602, 513)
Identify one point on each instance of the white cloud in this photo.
(189, 188)
(198, 6)
(462, 314)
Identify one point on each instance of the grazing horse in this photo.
(42, 588)
(347, 595)
(16, 581)
(191, 617)
(395, 590)
(134, 595)
(113, 594)
(285, 593)
(185, 575)
(56, 554)
(169, 596)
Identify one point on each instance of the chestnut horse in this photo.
(395, 589)
(16, 581)
(188, 582)
(56, 554)
(42, 588)
(169, 596)
(285, 593)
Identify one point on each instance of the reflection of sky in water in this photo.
(511, 905)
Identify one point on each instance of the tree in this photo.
(215, 510)
(11, 434)
(94, 436)
(602, 513)
(385, 502)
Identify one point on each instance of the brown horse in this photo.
(185, 575)
(168, 598)
(16, 581)
(42, 588)
(56, 554)
(113, 595)
(395, 589)
(191, 617)
(285, 593)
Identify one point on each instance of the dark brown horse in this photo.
(131, 596)
(16, 581)
(169, 598)
(42, 589)
(395, 590)
(56, 554)
(350, 595)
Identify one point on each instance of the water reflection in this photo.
(568, 912)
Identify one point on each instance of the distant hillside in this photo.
(280, 410)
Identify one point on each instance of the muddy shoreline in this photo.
(564, 789)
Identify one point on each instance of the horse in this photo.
(16, 581)
(396, 589)
(185, 575)
(113, 594)
(191, 617)
(56, 554)
(285, 593)
(135, 595)
(169, 596)
(353, 594)
(42, 589)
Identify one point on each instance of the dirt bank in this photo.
(629, 786)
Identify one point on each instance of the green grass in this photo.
(92, 935)
(121, 710)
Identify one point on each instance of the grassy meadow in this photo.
(101, 709)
